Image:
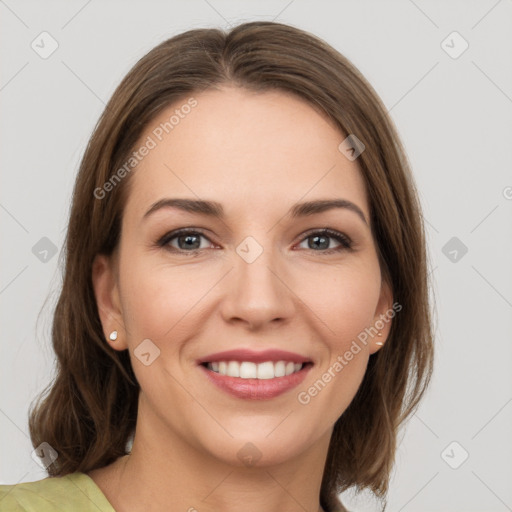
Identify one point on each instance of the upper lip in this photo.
(254, 356)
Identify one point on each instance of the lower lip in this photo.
(256, 389)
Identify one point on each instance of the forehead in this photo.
(245, 149)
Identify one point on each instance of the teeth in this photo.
(233, 369)
(265, 370)
(280, 369)
(248, 370)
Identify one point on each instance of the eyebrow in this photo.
(214, 209)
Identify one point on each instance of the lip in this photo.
(273, 355)
(256, 389)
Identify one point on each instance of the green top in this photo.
(76, 492)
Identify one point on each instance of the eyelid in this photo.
(333, 233)
(346, 243)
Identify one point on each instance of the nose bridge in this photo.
(258, 292)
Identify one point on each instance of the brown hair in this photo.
(89, 412)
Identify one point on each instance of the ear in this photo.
(383, 317)
(106, 291)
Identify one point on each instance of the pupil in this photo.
(315, 243)
(188, 239)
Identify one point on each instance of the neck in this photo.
(163, 469)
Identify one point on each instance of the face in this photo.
(258, 278)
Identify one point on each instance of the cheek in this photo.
(345, 301)
(346, 309)
(158, 305)
(164, 302)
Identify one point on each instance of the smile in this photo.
(250, 370)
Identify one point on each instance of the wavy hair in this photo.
(88, 412)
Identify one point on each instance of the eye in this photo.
(189, 241)
(321, 240)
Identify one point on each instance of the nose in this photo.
(259, 292)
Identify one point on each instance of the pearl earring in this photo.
(113, 336)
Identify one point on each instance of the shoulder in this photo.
(75, 491)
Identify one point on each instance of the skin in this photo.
(257, 154)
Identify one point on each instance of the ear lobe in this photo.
(106, 292)
(383, 317)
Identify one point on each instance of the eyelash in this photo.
(346, 243)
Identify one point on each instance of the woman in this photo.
(244, 316)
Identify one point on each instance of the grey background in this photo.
(455, 118)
